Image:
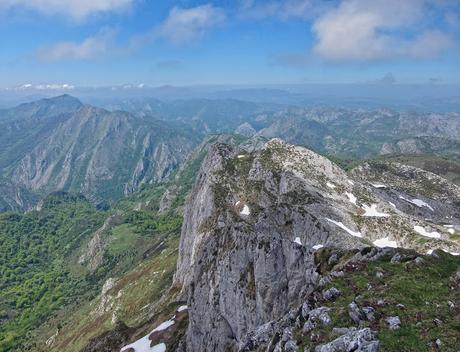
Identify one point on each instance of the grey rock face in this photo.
(103, 155)
(247, 254)
(394, 323)
(248, 272)
(355, 313)
(354, 340)
(331, 294)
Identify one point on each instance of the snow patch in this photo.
(385, 242)
(317, 246)
(164, 325)
(143, 345)
(418, 202)
(343, 227)
(351, 197)
(330, 185)
(245, 210)
(297, 240)
(423, 232)
(372, 211)
(241, 156)
(392, 204)
(378, 185)
(351, 182)
(182, 308)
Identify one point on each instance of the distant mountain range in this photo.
(185, 226)
(62, 144)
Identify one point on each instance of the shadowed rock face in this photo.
(246, 254)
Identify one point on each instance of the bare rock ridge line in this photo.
(254, 221)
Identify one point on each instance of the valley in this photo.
(112, 221)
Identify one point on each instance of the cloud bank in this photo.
(185, 25)
(77, 9)
(361, 30)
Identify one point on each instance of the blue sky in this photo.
(189, 42)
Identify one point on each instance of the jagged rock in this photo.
(438, 344)
(240, 272)
(260, 336)
(325, 280)
(451, 304)
(305, 310)
(396, 258)
(394, 323)
(331, 294)
(291, 346)
(419, 261)
(355, 313)
(379, 274)
(369, 312)
(317, 316)
(354, 340)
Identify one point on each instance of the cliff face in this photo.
(104, 155)
(254, 221)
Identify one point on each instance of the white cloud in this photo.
(282, 9)
(185, 25)
(360, 30)
(77, 9)
(89, 48)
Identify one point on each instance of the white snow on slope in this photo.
(317, 246)
(351, 182)
(245, 210)
(418, 202)
(351, 197)
(343, 227)
(143, 344)
(241, 156)
(297, 240)
(423, 232)
(392, 204)
(385, 242)
(378, 185)
(372, 211)
(330, 185)
(182, 308)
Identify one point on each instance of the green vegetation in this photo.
(34, 277)
(422, 290)
(45, 287)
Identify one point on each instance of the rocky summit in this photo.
(264, 231)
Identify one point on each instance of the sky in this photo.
(49, 43)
